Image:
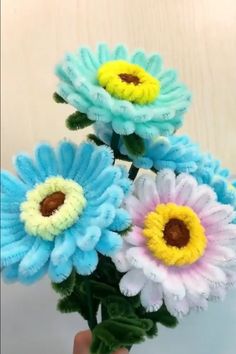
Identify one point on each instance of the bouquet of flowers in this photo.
(142, 248)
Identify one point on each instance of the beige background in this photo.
(196, 36)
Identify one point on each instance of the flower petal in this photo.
(151, 296)
(85, 262)
(61, 272)
(15, 251)
(46, 160)
(36, 257)
(64, 247)
(67, 153)
(109, 243)
(89, 240)
(132, 282)
(27, 170)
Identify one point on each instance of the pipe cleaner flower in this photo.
(181, 247)
(132, 92)
(61, 211)
(178, 153)
(211, 172)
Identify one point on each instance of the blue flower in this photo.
(132, 92)
(61, 211)
(218, 178)
(177, 153)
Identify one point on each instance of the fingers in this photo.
(121, 351)
(82, 342)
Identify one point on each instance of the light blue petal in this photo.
(36, 257)
(66, 152)
(79, 102)
(81, 159)
(61, 272)
(9, 205)
(109, 243)
(85, 262)
(60, 72)
(46, 160)
(88, 59)
(14, 252)
(122, 220)
(188, 166)
(102, 216)
(27, 170)
(102, 158)
(168, 77)
(64, 90)
(12, 187)
(126, 185)
(139, 58)
(64, 247)
(88, 240)
(143, 162)
(175, 152)
(120, 53)
(99, 114)
(71, 70)
(114, 195)
(123, 127)
(108, 177)
(10, 236)
(103, 53)
(31, 279)
(10, 273)
(161, 164)
(154, 64)
(147, 130)
(11, 223)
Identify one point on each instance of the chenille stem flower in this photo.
(181, 249)
(61, 211)
(132, 92)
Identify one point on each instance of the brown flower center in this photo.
(176, 233)
(129, 78)
(51, 203)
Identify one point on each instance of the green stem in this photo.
(133, 171)
(92, 321)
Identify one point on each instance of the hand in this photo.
(83, 341)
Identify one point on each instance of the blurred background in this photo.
(198, 37)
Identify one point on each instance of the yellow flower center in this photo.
(174, 234)
(128, 82)
(52, 207)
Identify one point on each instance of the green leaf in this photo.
(58, 99)
(113, 334)
(107, 272)
(162, 316)
(99, 289)
(66, 287)
(118, 306)
(153, 331)
(134, 144)
(77, 121)
(95, 139)
(77, 302)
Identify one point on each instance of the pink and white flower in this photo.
(203, 265)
